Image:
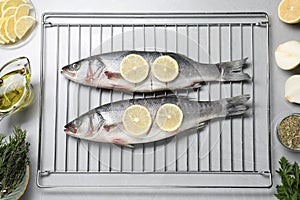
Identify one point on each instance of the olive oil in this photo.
(14, 90)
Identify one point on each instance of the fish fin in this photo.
(121, 142)
(196, 85)
(198, 127)
(128, 145)
(111, 75)
(201, 125)
(235, 105)
(232, 71)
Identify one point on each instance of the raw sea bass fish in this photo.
(103, 71)
(104, 124)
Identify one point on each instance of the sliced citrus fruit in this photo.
(9, 28)
(9, 12)
(22, 10)
(287, 55)
(1, 3)
(134, 68)
(137, 120)
(165, 68)
(23, 25)
(169, 117)
(10, 3)
(2, 30)
(1, 41)
(289, 11)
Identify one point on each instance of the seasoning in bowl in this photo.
(289, 132)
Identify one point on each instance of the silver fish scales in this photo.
(104, 124)
(103, 71)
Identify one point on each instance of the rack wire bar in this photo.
(228, 153)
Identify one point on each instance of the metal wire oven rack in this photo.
(227, 153)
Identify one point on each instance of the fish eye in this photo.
(77, 123)
(75, 66)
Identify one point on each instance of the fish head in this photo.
(86, 126)
(86, 71)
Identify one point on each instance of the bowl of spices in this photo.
(288, 132)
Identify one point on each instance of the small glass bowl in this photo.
(28, 36)
(278, 137)
(16, 91)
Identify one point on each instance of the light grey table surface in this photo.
(279, 32)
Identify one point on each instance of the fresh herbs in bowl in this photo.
(14, 161)
(290, 180)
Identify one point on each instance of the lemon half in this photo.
(169, 117)
(134, 68)
(289, 11)
(165, 68)
(137, 120)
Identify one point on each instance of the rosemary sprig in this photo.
(13, 160)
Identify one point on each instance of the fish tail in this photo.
(235, 105)
(232, 71)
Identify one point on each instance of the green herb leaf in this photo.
(13, 160)
(290, 180)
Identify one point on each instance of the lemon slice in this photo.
(289, 11)
(165, 68)
(22, 10)
(9, 28)
(1, 41)
(2, 30)
(169, 117)
(23, 25)
(10, 3)
(9, 12)
(134, 68)
(1, 3)
(137, 120)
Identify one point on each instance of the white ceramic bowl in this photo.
(27, 36)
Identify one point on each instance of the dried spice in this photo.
(289, 131)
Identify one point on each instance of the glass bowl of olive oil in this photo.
(288, 132)
(16, 92)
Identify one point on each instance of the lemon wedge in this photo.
(23, 25)
(169, 117)
(289, 11)
(134, 68)
(9, 28)
(137, 120)
(165, 68)
(10, 3)
(9, 12)
(22, 10)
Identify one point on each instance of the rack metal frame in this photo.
(246, 170)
